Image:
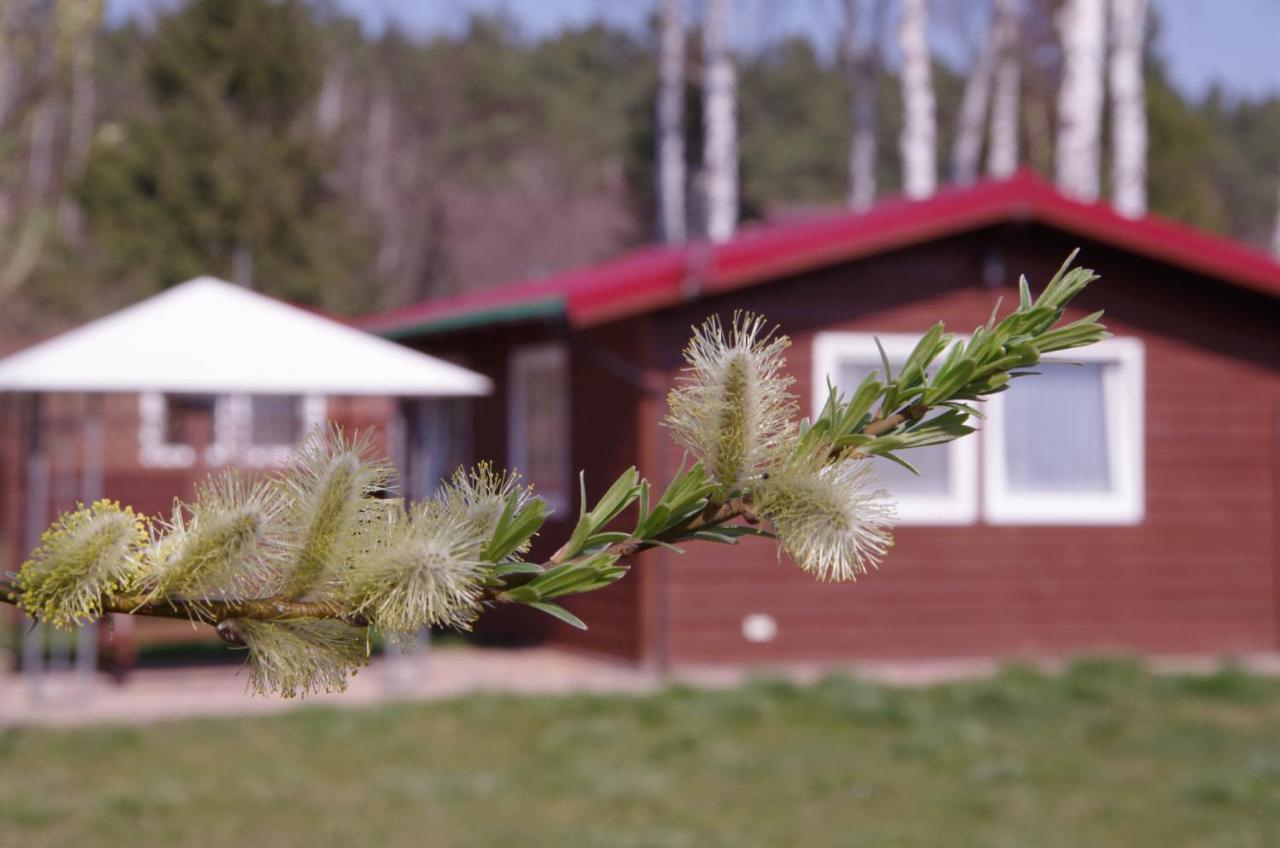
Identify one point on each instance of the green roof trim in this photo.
(504, 314)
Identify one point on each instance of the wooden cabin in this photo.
(1129, 503)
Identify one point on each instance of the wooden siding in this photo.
(1199, 574)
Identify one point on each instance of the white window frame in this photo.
(522, 361)
(232, 429)
(153, 425)
(1123, 382)
(960, 503)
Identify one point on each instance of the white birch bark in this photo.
(966, 151)
(329, 104)
(720, 130)
(1128, 108)
(862, 72)
(918, 142)
(1002, 145)
(375, 176)
(1080, 99)
(670, 123)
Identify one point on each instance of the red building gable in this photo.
(656, 277)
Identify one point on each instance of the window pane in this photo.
(933, 462)
(277, 420)
(544, 427)
(1056, 433)
(188, 419)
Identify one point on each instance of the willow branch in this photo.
(282, 608)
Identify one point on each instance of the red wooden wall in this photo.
(1198, 575)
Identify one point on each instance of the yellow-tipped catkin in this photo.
(732, 409)
(328, 494)
(424, 572)
(83, 558)
(828, 517)
(301, 657)
(226, 544)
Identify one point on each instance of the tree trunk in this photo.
(1128, 108)
(862, 72)
(670, 123)
(376, 174)
(720, 130)
(966, 152)
(40, 156)
(1002, 146)
(1080, 99)
(918, 143)
(329, 105)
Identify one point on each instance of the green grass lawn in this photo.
(1102, 755)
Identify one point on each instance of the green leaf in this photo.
(900, 461)
(509, 568)
(560, 613)
(625, 491)
(884, 360)
(512, 531)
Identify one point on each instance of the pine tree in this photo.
(222, 173)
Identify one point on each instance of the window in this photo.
(231, 429)
(538, 421)
(274, 420)
(173, 427)
(1066, 446)
(946, 491)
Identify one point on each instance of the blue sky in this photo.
(1228, 41)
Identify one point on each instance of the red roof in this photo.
(655, 277)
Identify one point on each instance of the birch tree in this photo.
(966, 152)
(918, 142)
(1078, 157)
(1128, 107)
(861, 58)
(670, 122)
(1002, 145)
(719, 124)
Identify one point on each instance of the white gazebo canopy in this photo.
(207, 336)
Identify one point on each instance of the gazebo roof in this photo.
(209, 336)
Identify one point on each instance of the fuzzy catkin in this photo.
(732, 409)
(83, 558)
(829, 518)
(226, 544)
(302, 657)
(328, 494)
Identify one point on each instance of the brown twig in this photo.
(884, 425)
